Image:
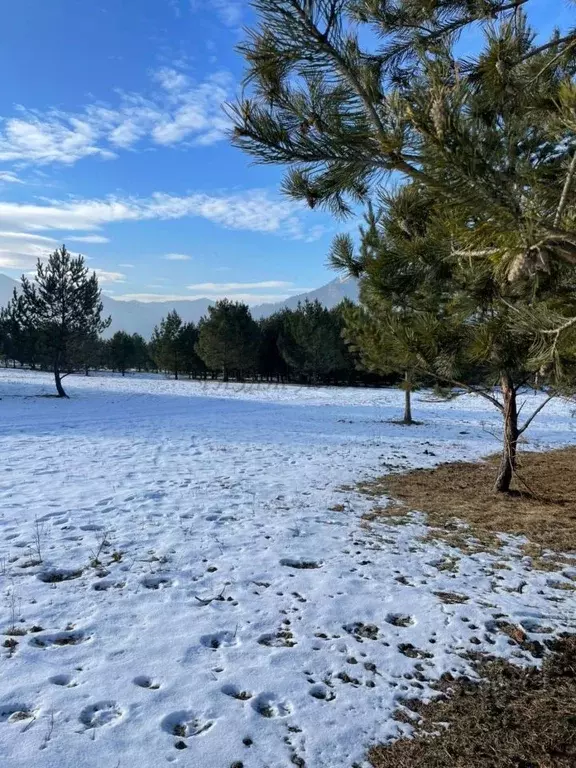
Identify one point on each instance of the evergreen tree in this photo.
(311, 342)
(21, 341)
(271, 363)
(141, 356)
(228, 339)
(488, 144)
(441, 316)
(63, 306)
(165, 344)
(121, 351)
(192, 364)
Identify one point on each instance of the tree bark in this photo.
(510, 435)
(407, 400)
(58, 380)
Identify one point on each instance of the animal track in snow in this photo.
(236, 693)
(216, 640)
(322, 692)
(101, 713)
(185, 724)
(301, 563)
(156, 582)
(400, 620)
(66, 681)
(15, 712)
(142, 681)
(56, 575)
(58, 639)
(269, 705)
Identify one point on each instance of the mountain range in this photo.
(141, 317)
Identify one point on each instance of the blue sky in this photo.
(112, 140)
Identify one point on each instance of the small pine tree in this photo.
(141, 356)
(121, 351)
(228, 339)
(62, 305)
(192, 363)
(165, 344)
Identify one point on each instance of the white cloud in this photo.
(95, 239)
(226, 287)
(178, 109)
(109, 277)
(29, 231)
(252, 210)
(247, 298)
(229, 11)
(8, 177)
(127, 266)
(177, 257)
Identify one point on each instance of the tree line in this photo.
(55, 322)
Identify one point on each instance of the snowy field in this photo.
(206, 595)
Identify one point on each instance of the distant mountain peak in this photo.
(141, 317)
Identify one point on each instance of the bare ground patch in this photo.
(542, 505)
(513, 718)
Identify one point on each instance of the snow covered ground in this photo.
(206, 594)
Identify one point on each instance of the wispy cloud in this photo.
(246, 298)
(127, 266)
(94, 239)
(7, 177)
(177, 257)
(228, 287)
(30, 228)
(228, 11)
(177, 109)
(252, 210)
(104, 276)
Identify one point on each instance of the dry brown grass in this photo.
(541, 507)
(514, 718)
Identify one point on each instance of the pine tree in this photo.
(121, 351)
(311, 342)
(228, 339)
(62, 305)
(192, 364)
(165, 344)
(442, 316)
(486, 143)
(141, 356)
(271, 363)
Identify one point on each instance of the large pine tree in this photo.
(349, 93)
(62, 304)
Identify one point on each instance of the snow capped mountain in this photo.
(141, 317)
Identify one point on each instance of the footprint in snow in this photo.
(216, 640)
(236, 693)
(56, 575)
(269, 705)
(65, 681)
(156, 582)
(185, 724)
(15, 712)
(143, 681)
(301, 563)
(59, 639)
(102, 713)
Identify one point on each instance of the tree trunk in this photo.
(58, 380)
(509, 449)
(407, 400)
